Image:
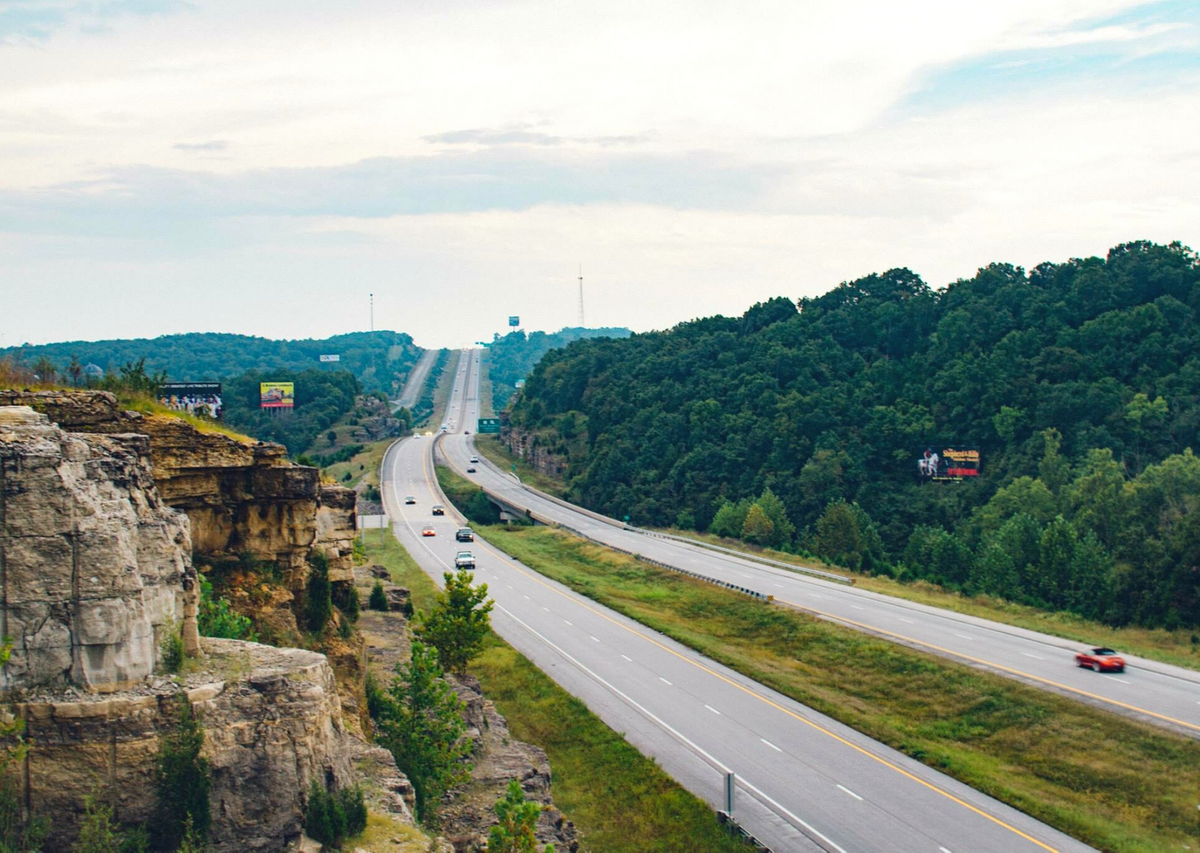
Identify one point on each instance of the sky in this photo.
(172, 166)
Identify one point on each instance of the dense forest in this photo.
(512, 357)
(799, 425)
(322, 398)
(379, 360)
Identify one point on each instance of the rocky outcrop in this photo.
(91, 559)
(240, 497)
(272, 723)
(537, 455)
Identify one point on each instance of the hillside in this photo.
(512, 357)
(799, 425)
(379, 360)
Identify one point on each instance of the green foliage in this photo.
(1078, 381)
(757, 528)
(512, 357)
(18, 835)
(458, 622)
(181, 782)
(378, 599)
(345, 596)
(334, 818)
(170, 648)
(419, 720)
(517, 822)
(318, 597)
(322, 398)
(99, 833)
(216, 618)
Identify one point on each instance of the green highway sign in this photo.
(487, 425)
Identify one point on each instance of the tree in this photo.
(774, 509)
(729, 520)
(1056, 558)
(181, 781)
(839, 539)
(757, 528)
(216, 618)
(319, 596)
(420, 722)
(378, 599)
(331, 437)
(1054, 471)
(458, 622)
(517, 822)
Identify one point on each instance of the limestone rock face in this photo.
(240, 497)
(525, 446)
(272, 723)
(92, 558)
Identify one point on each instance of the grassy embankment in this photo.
(490, 447)
(1180, 647)
(363, 467)
(619, 799)
(1113, 783)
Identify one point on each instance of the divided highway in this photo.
(1153, 692)
(805, 782)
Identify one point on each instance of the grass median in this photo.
(620, 800)
(1101, 778)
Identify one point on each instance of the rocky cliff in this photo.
(240, 497)
(91, 559)
(532, 449)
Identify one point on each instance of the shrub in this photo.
(182, 783)
(320, 595)
(458, 622)
(378, 599)
(216, 618)
(345, 596)
(517, 822)
(171, 648)
(332, 818)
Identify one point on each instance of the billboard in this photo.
(195, 398)
(514, 320)
(330, 357)
(277, 395)
(947, 462)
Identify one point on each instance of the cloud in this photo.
(38, 21)
(210, 145)
(482, 136)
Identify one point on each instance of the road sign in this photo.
(487, 425)
(514, 321)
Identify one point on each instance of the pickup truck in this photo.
(464, 560)
(465, 534)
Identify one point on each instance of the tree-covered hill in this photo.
(513, 356)
(800, 424)
(379, 360)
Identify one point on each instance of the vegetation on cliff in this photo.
(1079, 383)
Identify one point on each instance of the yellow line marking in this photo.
(507, 560)
(834, 617)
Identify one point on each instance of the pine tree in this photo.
(518, 822)
(378, 599)
(458, 621)
(182, 782)
(777, 513)
(319, 595)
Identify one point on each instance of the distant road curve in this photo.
(416, 381)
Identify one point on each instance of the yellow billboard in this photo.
(277, 395)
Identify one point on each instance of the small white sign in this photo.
(330, 358)
(372, 522)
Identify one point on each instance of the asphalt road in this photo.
(416, 380)
(1154, 692)
(805, 782)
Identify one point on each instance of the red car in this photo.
(1101, 660)
(429, 531)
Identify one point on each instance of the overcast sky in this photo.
(260, 167)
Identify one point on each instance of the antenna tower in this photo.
(581, 323)
(372, 296)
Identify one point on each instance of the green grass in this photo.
(619, 799)
(1180, 647)
(486, 408)
(441, 391)
(362, 467)
(1106, 780)
(491, 447)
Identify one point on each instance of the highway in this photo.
(805, 782)
(416, 381)
(1154, 692)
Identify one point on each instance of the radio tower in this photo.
(372, 295)
(581, 323)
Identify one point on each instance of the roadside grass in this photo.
(441, 391)
(491, 447)
(363, 467)
(486, 403)
(1108, 781)
(457, 488)
(1180, 647)
(619, 800)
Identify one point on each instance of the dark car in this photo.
(465, 534)
(1101, 660)
(471, 470)
(438, 509)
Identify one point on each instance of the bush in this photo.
(332, 818)
(171, 648)
(345, 596)
(182, 783)
(458, 622)
(320, 594)
(378, 599)
(514, 833)
(216, 618)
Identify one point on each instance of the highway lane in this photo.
(806, 782)
(1148, 690)
(415, 383)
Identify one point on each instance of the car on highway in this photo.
(471, 470)
(465, 534)
(474, 459)
(466, 432)
(464, 560)
(409, 500)
(438, 509)
(1101, 659)
(429, 531)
